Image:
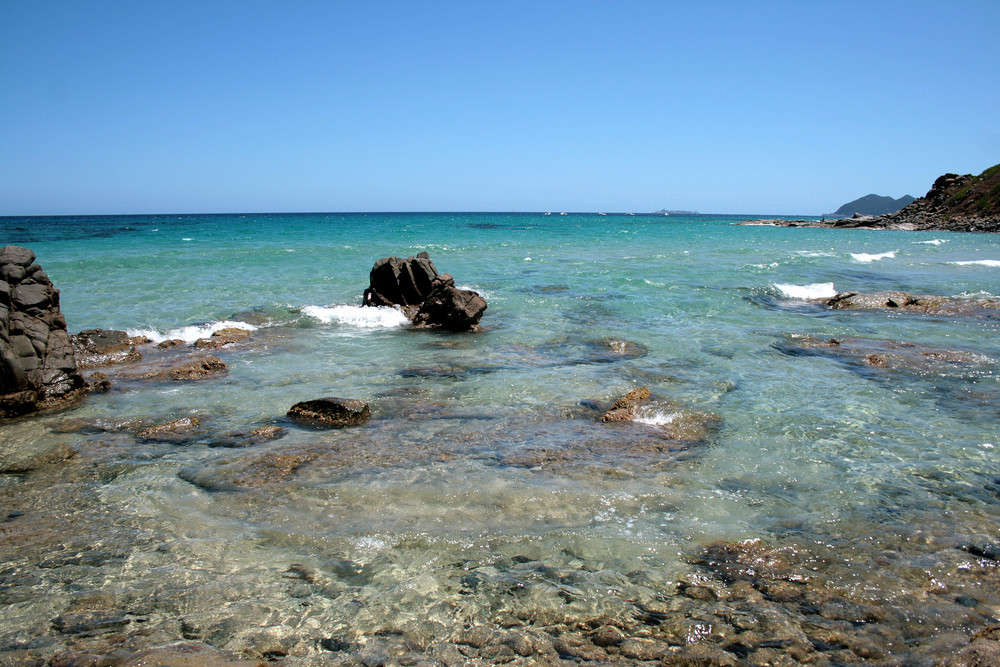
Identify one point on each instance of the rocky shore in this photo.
(954, 203)
(809, 594)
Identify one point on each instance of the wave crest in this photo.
(362, 317)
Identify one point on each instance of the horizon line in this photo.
(660, 214)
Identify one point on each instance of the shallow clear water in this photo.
(484, 489)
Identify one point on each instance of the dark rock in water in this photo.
(990, 550)
(331, 412)
(400, 282)
(450, 308)
(38, 370)
(427, 298)
(95, 348)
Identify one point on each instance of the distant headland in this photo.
(954, 204)
(872, 205)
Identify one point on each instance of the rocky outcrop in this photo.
(331, 412)
(394, 281)
(427, 298)
(38, 369)
(953, 204)
(900, 301)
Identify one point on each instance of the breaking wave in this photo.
(362, 317)
(865, 257)
(812, 291)
(190, 333)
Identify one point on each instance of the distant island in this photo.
(954, 204)
(664, 211)
(872, 205)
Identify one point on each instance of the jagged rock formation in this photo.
(37, 367)
(956, 203)
(427, 298)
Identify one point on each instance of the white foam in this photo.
(866, 257)
(187, 239)
(813, 253)
(363, 317)
(811, 291)
(933, 242)
(978, 262)
(654, 418)
(190, 333)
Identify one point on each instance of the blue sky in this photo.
(721, 107)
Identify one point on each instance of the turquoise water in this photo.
(483, 471)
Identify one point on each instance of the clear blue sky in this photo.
(722, 107)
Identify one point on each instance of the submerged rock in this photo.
(38, 369)
(197, 369)
(671, 421)
(54, 454)
(99, 382)
(331, 412)
(178, 429)
(891, 355)
(427, 298)
(95, 348)
(183, 654)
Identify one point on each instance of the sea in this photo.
(766, 503)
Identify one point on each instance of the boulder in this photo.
(450, 308)
(38, 369)
(394, 281)
(95, 348)
(427, 298)
(331, 412)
